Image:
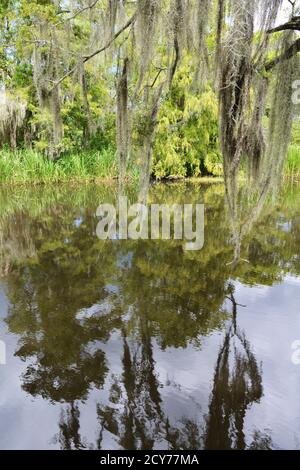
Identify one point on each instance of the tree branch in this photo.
(90, 56)
(288, 54)
(293, 24)
(77, 13)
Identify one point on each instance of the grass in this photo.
(292, 167)
(30, 167)
(25, 166)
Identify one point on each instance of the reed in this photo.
(27, 166)
(292, 166)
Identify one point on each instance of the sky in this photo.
(285, 11)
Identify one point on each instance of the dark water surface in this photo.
(128, 344)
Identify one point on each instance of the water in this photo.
(128, 344)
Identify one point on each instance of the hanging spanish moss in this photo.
(265, 17)
(12, 117)
(122, 121)
(89, 127)
(147, 26)
(45, 68)
(235, 84)
(202, 17)
(113, 9)
(241, 131)
(188, 28)
(40, 65)
(185, 26)
(55, 102)
(255, 140)
(201, 29)
(282, 109)
(242, 101)
(177, 13)
(220, 20)
(255, 145)
(151, 105)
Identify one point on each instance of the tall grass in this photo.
(292, 167)
(27, 166)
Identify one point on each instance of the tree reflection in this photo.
(70, 293)
(138, 420)
(237, 385)
(50, 300)
(69, 424)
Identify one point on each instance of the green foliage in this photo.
(187, 132)
(75, 119)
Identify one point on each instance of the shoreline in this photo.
(129, 180)
(109, 181)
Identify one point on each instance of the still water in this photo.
(140, 344)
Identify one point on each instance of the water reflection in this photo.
(237, 384)
(94, 320)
